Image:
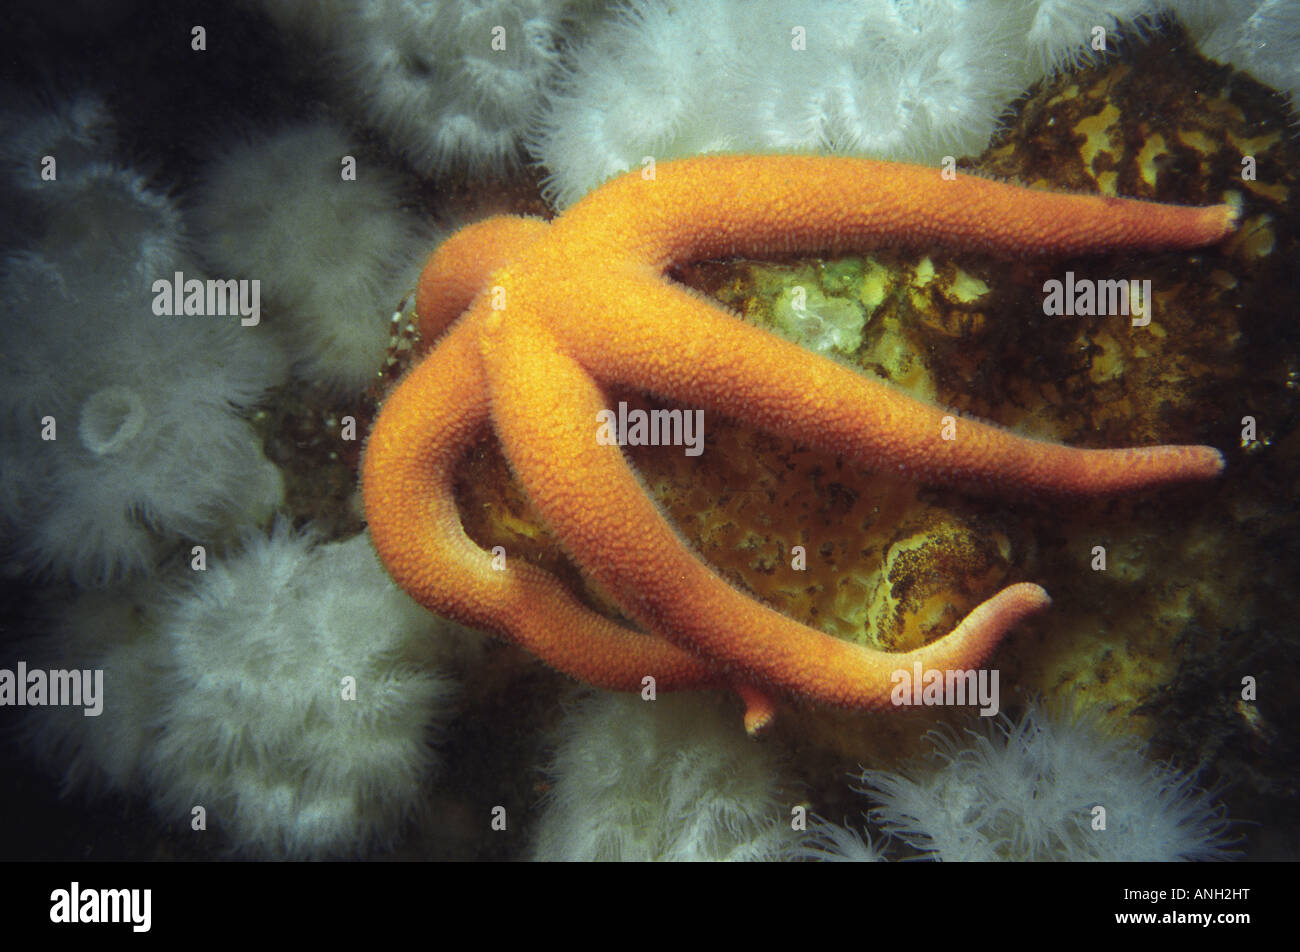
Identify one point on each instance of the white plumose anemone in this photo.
(450, 84)
(1062, 34)
(670, 779)
(119, 423)
(303, 699)
(649, 81)
(1261, 37)
(334, 253)
(892, 80)
(828, 842)
(1030, 789)
(914, 80)
(291, 690)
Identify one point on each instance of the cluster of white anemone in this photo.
(1051, 786)
(450, 85)
(121, 426)
(590, 89)
(291, 691)
(126, 441)
(913, 80)
(667, 80)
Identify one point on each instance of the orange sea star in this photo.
(541, 316)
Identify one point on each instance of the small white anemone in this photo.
(1030, 789)
(451, 85)
(671, 779)
(828, 842)
(334, 254)
(651, 79)
(304, 699)
(111, 226)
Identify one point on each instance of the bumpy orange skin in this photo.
(552, 313)
(441, 408)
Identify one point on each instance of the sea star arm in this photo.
(718, 362)
(424, 427)
(757, 205)
(421, 433)
(459, 268)
(544, 407)
(444, 570)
